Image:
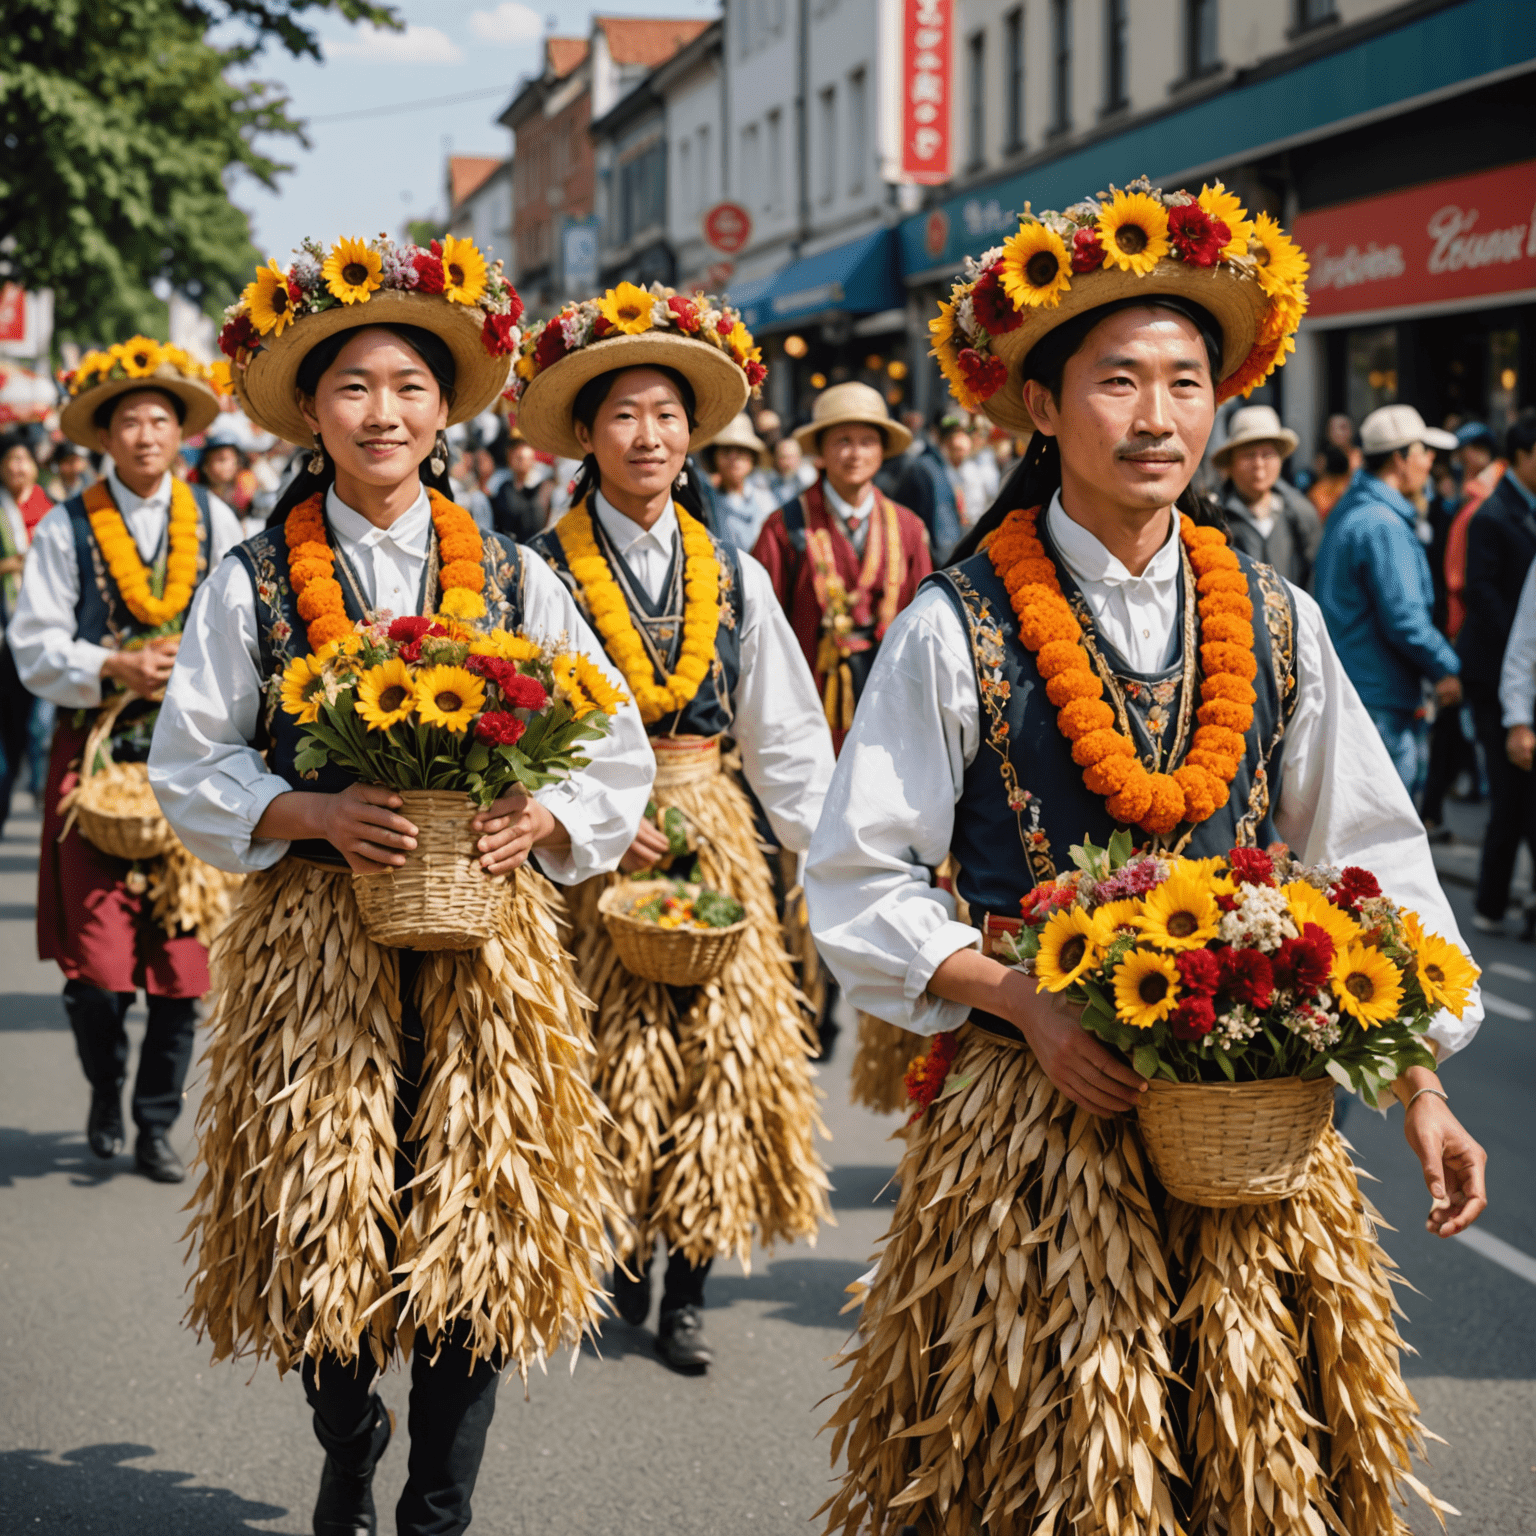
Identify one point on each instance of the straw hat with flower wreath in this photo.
(447, 289)
(852, 403)
(1247, 273)
(632, 327)
(139, 363)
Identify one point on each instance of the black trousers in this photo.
(1450, 753)
(451, 1403)
(1511, 804)
(682, 1283)
(96, 1017)
(16, 706)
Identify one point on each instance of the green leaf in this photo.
(1146, 1060)
(954, 1085)
(1120, 848)
(1224, 1061)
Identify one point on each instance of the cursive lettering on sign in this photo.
(1455, 246)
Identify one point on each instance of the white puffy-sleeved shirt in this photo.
(50, 659)
(779, 724)
(880, 922)
(214, 786)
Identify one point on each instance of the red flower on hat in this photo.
(238, 335)
(755, 372)
(725, 325)
(984, 376)
(685, 312)
(551, 345)
(992, 306)
(499, 334)
(429, 271)
(1195, 236)
(1087, 253)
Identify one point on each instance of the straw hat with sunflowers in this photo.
(448, 289)
(1246, 272)
(631, 327)
(140, 363)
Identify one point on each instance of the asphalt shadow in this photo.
(863, 1187)
(809, 1293)
(17, 863)
(91, 1492)
(25, 1012)
(36, 1154)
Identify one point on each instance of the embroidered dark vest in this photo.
(283, 635)
(710, 712)
(1023, 802)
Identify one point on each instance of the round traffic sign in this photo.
(727, 227)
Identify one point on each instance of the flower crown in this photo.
(352, 271)
(629, 310)
(140, 357)
(1133, 230)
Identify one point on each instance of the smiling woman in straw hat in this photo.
(400, 1157)
(1051, 1340)
(710, 1086)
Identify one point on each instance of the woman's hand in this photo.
(513, 827)
(361, 823)
(650, 844)
(1454, 1165)
(1080, 1065)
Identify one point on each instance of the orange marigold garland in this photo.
(312, 568)
(1155, 802)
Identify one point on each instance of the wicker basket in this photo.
(440, 898)
(1219, 1144)
(113, 806)
(680, 957)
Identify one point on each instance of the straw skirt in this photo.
(882, 1054)
(1050, 1343)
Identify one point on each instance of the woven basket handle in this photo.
(99, 742)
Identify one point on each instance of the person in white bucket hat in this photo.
(743, 502)
(1266, 517)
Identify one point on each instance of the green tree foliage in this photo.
(124, 125)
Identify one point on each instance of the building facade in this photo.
(479, 193)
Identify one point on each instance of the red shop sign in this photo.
(13, 313)
(727, 227)
(1467, 238)
(927, 51)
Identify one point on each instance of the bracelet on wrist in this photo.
(1419, 1093)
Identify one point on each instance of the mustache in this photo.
(1162, 446)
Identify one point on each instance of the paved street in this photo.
(112, 1422)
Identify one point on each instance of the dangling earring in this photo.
(439, 460)
(682, 477)
(317, 457)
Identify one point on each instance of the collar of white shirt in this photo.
(408, 533)
(844, 509)
(1089, 560)
(129, 502)
(629, 537)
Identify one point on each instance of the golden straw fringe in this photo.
(189, 896)
(798, 943)
(878, 1077)
(711, 1092)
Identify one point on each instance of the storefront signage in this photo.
(1450, 241)
(917, 70)
(727, 228)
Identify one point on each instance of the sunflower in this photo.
(1366, 984)
(506, 644)
(449, 697)
(1445, 974)
(942, 329)
(1310, 905)
(1071, 942)
(386, 694)
(463, 270)
(220, 377)
(1228, 207)
(267, 300)
(303, 689)
(1282, 263)
(627, 308)
(140, 357)
(1036, 267)
(1181, 913)
(1146, 988)
(1133, 229)
(1115, 915)
(352, 271)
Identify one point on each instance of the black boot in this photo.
(345, 1505)
(104, 1124)
(156, 1159)
(680, 1341)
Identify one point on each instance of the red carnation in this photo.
(499, 728)
(1225, 902)
(991, 305)
(1251, 866)
(1195, 236)
(429, 271)
(551, 345)
(1087, 253)
(925, 1077)
(1247, 977)
(984, 376)
(685, 312)
(1200, 971)
(755, 372)
(1354, 886)
(522, 692)
(601, 327)
(238, 335)
(415, 627)
(295, 293)
(499, 334)
(514, 304)
(725, 325)
(411, 652)
(1303, 964)
(1193, 1019)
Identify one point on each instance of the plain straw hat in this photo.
(738, 433)
(1255, 424)
(1397, 426)
(852, 402)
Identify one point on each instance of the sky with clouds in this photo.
(376, 159)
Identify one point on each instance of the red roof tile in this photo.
(467, 174)
(648, 40)
(563, 54)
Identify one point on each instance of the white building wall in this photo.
(693, 108)
(847, 196)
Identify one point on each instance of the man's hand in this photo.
(1454, 1165)
(1448, 691)
(514, 826)
(144, 672)
(650, 844)
(12, 565)
(361, 823)
(1520, 746)
(1081, 1066)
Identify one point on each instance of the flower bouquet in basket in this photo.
(452, 719)
(1243, 988)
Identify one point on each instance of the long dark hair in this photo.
(431, 349)
(589, 401)
(1037, 477)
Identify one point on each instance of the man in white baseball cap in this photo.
(1374, 586)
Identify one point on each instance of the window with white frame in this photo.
(858, 131)
(828, 110)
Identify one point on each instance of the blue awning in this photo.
(859, 278)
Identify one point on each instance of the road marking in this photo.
(1495, 1249)
(1505, 1009)
(1514, 972)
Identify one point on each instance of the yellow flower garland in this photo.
(611, 617)
(127, 568)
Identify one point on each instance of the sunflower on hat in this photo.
(1246, 272)
(139, 362)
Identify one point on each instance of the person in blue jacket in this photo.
(926, 489)
(1373, 583)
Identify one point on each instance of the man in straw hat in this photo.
(743, 502)
(709, 1084)
(1266, 518)
(1043, 1306)
(107, 584)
